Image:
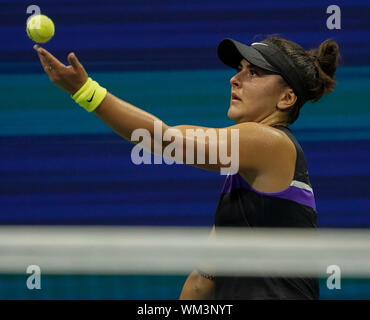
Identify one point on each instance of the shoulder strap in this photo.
(301, 172)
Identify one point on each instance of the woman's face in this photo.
(258, 91)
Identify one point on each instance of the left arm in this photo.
(256, 144)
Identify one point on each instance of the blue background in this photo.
(60, 165)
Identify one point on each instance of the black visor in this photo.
(231, 52)
(266, 56)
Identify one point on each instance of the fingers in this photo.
(69, 78)
(50, 63)
(73, 61)
(47, 59)
(43, 61)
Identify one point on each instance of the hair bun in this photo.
(326, 58)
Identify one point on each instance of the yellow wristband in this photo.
(90, 95)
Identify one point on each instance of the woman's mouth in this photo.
(234, 97)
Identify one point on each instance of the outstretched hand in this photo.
(69, 78)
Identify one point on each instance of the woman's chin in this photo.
(237, 116)
(233, 114)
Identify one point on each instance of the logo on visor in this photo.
(264, 44)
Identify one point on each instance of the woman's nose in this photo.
(234, 81)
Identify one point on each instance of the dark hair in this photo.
(318, 66)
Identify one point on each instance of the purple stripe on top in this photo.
(292, 193)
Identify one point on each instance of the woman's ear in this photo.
(287, 99)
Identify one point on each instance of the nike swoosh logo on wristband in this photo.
(91, 97)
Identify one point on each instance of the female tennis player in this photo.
(274, 79)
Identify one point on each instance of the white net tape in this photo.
(157, 250)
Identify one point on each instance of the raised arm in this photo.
(244, 146)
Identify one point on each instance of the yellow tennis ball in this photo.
(40, 28)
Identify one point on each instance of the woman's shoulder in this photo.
(276, 134)
(278, 163)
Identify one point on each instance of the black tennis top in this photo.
(242, 206)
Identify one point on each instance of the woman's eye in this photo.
(251, 72)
